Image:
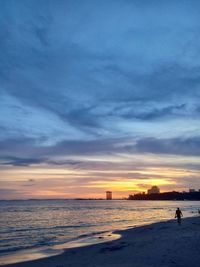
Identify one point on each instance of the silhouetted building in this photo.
(191, 190)
(108, 195)
(154, 190)
(167, 196)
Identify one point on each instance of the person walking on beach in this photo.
(178, 215)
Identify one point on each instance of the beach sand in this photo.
(163, 244)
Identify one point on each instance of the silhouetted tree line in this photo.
(167, 196)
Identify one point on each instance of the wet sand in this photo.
(163, 244)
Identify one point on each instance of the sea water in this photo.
(33, 224)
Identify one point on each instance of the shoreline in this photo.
(159, 244)
(37, 253)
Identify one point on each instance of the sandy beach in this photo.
(161, 244)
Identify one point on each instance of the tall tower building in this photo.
(108, 195)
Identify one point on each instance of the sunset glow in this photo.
(91, 102)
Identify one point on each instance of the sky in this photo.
(98, 95)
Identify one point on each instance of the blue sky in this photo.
(98, 95)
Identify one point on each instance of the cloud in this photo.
(184, 147)
(8, 193)
(18, 119)
(71, 61)
(89, 79)
(14, 161)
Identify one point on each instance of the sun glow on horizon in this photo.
(45, 182)
(123, 174)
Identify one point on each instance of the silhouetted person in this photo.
(178, 215)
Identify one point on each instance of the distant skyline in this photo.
(98, 96)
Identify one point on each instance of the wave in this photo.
(44, 228)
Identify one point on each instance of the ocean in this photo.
(30, 224)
